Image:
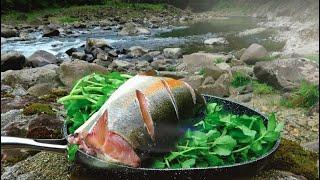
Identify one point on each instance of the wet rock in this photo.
(131, 29)
(51, 31)
(98, 43)
(216, 41)
(137, 51)
(40, 89)
(41, 58)
(287, 74)
(9, 32)
(70, 72)
(12, 60)
(79, 55)
(70, 51)
(30, 77)
(40, 166)
(172, 53)
(194, 81)
(253, 54)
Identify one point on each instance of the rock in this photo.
(161, 64)
(70, 72)
(239, 53)
(120, 65)
(216, 41)
(251, 31)
(50, 31)
(236, 62)
(78, 55)
(224, 66)
(25, 36)
(172, 53)
(287, 74)
(214, 71)
(278, 175)
(243, 69)
(40, 89)
(101, 62)
(197, 61)
(131, 29)
(3, 40)
(98, 43)
(41, 58)
(12, 61)
(194, 81)
(174, 75)
(208, 80)
(219, 88)
(30, 77)
(141, 65)
(137, 51)
(79, 25)
(9, 32)
(19, 91)
(146, 57)
(312, 146)
(104, 56)
(314, 109)
(154, 53)
(253, 54)
(40, 166)
(245, 89)
(70, 51)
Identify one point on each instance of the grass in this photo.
(240, 79)
(202, 71)
(218, 60)
(313, 57)
(76, 13)
(306, 96)
(261, 88)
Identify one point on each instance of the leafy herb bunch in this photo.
(223, 139)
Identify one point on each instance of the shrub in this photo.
(240, 79)
(261, 88)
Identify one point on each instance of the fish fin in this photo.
(151, 72)
(96, 136)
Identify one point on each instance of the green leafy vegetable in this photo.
(87, 97)
(222, 138)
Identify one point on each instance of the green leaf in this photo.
(248, 132)
(72, 150)
(279, 127)
(188, 163)
(159, 164)
(272, 123)
(224, 145)
(256, 147)
(271, 136)
(211, 107)
(214, 160)
(201, 164)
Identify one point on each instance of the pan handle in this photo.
(52, 145)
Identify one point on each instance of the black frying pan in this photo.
(116, 171)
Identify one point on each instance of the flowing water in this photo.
(190, 38)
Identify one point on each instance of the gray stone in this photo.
(172, 53)
(41, 58)
(98, 43)
(243, 69)
(137, 51)
(287, 74)
(12, 61)
(312, 146)
(194, 81)
(40, 89)
(9, 32)
(70, 72)
(102, 62)
(120, 65)
(19, 91)
(174, 75)
(216, 41)
(78, 55)
(30, 77)
(131, 29)
(208, 80)
(253, 54)
(50, 31)
(219, 88)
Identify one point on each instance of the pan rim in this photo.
(120, 166)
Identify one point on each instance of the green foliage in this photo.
(240, 79)
(222, 138)
(306, 96)
(218, 60)
(313, 57)
(67, 19)
(202, 71)
(261, 88)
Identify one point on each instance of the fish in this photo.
(144, 115)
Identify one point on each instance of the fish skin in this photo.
(168, 109)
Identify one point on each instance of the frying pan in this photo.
(116, 171)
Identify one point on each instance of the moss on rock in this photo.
(54, 95)
(293, 158)
(38, 108)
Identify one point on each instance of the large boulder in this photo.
(41, 58)
(194, 81)
(70, 72)
(172, 53)
(220, 88)
(30, 77)
(12, 60)
(9, 32)
(253, 54)
(287, 74)
(197, 61)
(137, 51)
(131, 29)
